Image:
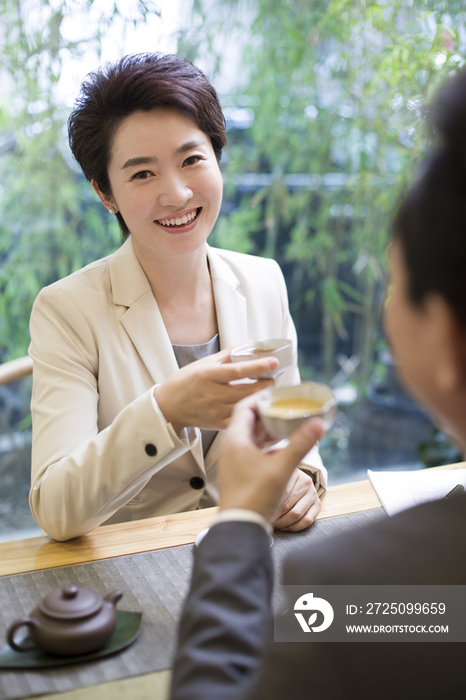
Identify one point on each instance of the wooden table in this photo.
(21, 556)
(33, 554)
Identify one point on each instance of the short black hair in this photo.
(138, 82)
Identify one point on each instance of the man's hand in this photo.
(300, 505)
(258, 481)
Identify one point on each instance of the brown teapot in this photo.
(69, 621)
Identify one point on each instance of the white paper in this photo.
(398, 491)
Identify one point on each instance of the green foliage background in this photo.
(50, 224)
(337, 87)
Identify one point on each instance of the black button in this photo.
(151, 450)
(196, 482)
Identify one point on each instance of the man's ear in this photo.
(447, 340)
(106, 199)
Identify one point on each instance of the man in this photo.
(226, 622)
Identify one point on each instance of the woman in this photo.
(223, 647)
(131, 354)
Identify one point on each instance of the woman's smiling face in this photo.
(166, 182)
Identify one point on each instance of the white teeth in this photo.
(179, 221)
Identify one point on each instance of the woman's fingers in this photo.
(307, 519)
(299, 496)
(300, 505)
(297, 511)
(235, 371)
(237, 392)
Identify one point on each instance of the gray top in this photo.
(185, 354)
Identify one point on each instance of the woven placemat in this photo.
(154, 583)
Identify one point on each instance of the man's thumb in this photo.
(303, 439)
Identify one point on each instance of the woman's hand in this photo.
(200, 394)
(300, 505)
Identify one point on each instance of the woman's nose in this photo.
(174, 192)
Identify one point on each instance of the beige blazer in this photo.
(102, 450)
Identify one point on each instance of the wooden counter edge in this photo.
(15, 369)
(120, 539)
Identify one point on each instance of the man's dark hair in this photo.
(430, 224)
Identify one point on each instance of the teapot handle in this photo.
(29, 622)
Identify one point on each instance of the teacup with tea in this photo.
(282, 409)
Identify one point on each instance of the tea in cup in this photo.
(282, 409)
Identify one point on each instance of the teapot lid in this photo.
(71, 602)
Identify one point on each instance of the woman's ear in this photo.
(106, 199)
(447, 342)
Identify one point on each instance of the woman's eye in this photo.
(141, 175)
(192, 160)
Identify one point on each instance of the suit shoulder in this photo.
(93, 276)
(244, 264)
(412, 547)
(235, 258)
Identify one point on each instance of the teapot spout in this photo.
(113, 597)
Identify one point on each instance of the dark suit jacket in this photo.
(224, 640)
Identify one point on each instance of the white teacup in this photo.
(281, 348)
(282, 409)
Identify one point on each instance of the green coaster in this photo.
(127, 629)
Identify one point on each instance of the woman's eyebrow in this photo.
(188, 146)
(144, 160)
(140, 160)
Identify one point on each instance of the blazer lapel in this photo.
(231, 308)
(141, 318)
(143, 321)
(230, 304)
